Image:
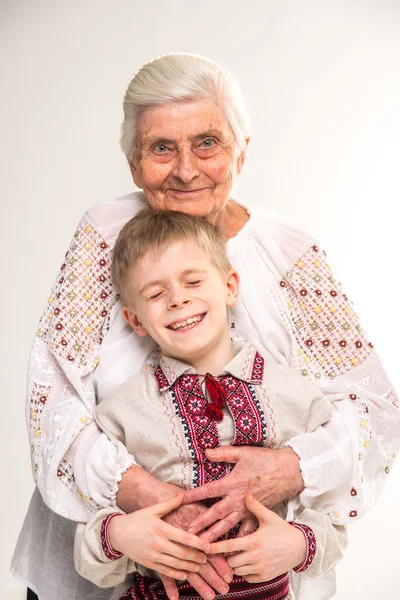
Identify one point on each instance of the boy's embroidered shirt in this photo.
(160, 414)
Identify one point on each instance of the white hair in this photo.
(182, 77)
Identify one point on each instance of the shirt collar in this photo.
(247, 365)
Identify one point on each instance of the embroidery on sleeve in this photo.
(80, 300)
(39, 394)
(329, 338)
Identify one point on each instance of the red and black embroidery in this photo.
(109, 552)
(258, 369)
(147, 588)
(311, 546)
(199, 427)
(246, 411)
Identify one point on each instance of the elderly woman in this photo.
(185, 136)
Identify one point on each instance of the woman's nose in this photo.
(185, 167)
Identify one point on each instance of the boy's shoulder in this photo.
(140, 384)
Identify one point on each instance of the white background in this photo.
(322, 81)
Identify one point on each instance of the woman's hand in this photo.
(275, 548)
(146, 539)
(269, 475)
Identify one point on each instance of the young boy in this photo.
(198, 391)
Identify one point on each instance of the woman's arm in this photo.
(344, 463)
(61, 396)
(340, 467)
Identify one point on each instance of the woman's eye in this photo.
(194, 282)
(160, 148)
(208, 143)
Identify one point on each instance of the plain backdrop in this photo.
(322, 82)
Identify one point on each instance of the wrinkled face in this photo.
(187, 158)
(180, 298)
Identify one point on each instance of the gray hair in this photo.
(181, 77)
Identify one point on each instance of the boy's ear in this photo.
(131, 317)
(232, 286)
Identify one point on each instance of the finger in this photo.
(215, 513)
(254, 578)
(245, 570)
(240, 559)
(170, 587)
(209, 574)
(184, 553)
(214, 489)
(179, 564)
(201, 586)
(221, 566)
(249, 525)
(219, 529)
(163, 508)
(227, 546)
(229, 454)
(186, 539)
(169, 571)
(258, 510)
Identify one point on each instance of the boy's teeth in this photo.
(190, 321)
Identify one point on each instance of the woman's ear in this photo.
(135, 172)
(242, 157)
(232, 287)
(131, 317)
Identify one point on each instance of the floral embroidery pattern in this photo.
(329, 338)
(80, 300)
(39, 395)
(66, 477)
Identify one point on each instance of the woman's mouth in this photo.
(187, 324)
(187, 192)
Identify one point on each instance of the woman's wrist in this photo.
(138, 489)
(295, 483)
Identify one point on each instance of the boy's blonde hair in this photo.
(152, 229)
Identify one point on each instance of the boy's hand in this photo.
(275, 548)
(145, 538)
(214, 576)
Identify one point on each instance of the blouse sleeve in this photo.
(61, 396)
(345, 462)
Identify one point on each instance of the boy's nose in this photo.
(178, 302)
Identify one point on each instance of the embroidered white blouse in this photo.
(291, 307)
(160, 415)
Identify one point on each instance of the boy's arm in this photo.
(326, 543)
(91, 561)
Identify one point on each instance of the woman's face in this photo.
(187, 158)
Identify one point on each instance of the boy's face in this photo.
(179, 297)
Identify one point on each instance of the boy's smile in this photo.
(178, 296)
